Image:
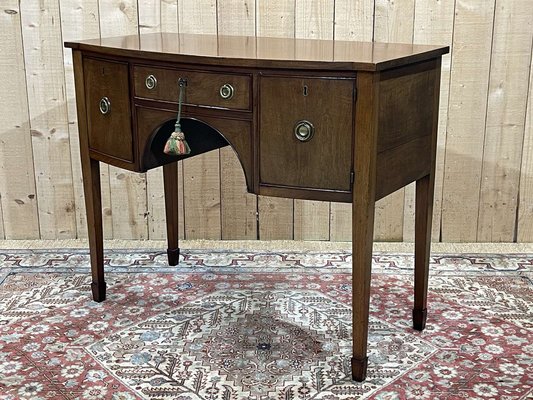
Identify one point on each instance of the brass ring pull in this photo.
(304, 130)
(150, 82)
(227, 91)
(105, 105)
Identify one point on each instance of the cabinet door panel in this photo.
(324, 161)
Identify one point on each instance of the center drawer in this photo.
(209, 89)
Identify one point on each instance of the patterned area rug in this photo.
(228, 326)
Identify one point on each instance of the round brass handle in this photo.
(150, 82)
(105, 105)
(304, 130)
(227, 91)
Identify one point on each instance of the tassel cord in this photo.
(180, 101)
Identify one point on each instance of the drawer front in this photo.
(203, 88)
(108, 108)
(320, 106)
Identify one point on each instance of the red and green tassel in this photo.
(176, 144)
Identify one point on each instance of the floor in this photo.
(274, 245)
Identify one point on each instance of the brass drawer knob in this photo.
(105, 105)
(150, 82)
(227, 91)
(304, 130)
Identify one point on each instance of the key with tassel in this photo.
(176, 144)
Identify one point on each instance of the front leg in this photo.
(363, 230)
(423, 219)
(363, 205)
(93, 204)
(425, 189)
(170, 179)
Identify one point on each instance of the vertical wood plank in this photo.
(128, 189)
(434, 25)
(149, 12)
(45, 76)
(394, 22)
(236, 17)
(408, 224)
(466, 119)
(107, 208)
(202, 196)
(198, 16)
(506, 109)
(238, 207)
(313, 20)
(354, 20)
(169, 16)
(80, 21)
(156, 204)
(275, 18)
(389, 217)
(525, 205)
(201, 174)
(118, 17)
(128, 201)
(156, 215)
(17, 182)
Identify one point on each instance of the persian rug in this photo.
(262, 326)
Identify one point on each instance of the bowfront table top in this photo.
(267, 52)
(311, 119)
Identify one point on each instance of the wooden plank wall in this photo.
(484, 183)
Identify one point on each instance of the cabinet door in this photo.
(323, 104)
(108, 108)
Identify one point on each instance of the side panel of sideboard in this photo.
(406, 119)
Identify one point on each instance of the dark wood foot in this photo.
(173, 256)
(419, 319)
(98, 291)
(359, 369)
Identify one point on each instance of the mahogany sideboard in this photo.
(320, 120)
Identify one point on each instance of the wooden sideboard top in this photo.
(262, 52)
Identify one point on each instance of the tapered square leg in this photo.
(91, 187)
(170, 179)
(363, 206)
(93, 204)
(425, 188)
(423, 220)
